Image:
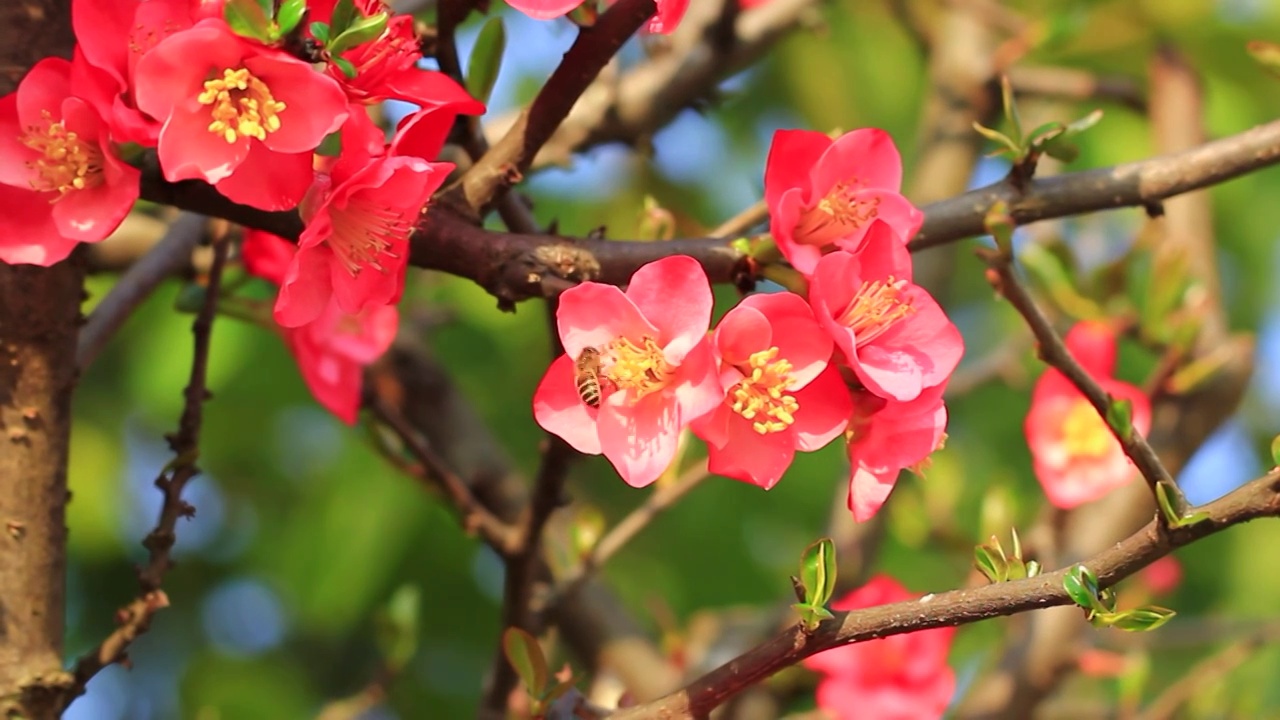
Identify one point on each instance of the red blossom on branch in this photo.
(61, 180)
(825, 194)
(886, 437)
(241, 116)
(332, 350)
(654, 357)
(1077, 458)
(782, 395)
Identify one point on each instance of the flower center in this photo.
(364, 232)
(69, 163)
(837, 215)
(242, 106)
(642, 368)
(1084, 433)
(760, 395)
(875, 308)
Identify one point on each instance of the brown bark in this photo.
(39, 317)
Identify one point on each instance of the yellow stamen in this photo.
(642, 368)
(760, 395)
(1084, 433)
(364, 232)
(837, 215)
(70, 163)
(242, 106)
(875, 308)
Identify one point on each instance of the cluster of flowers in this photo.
(244, 105)
(867, 354)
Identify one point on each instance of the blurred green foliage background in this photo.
(303, 532)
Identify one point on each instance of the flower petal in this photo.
(675, 296)
(558, 408)
(640, 440)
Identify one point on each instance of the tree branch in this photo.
(135, 618)
(1259, 498)
(511, 156)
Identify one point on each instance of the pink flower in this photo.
(900, 677)
(886, 437)
(825, 193)
(670, 13)
(387, 66)
(891, 332)
(782, 394)
(241, 116)
(111, 35)
(333, 350)
(359, 216)
(1076, 457)
(1162, 576)
(664, 21)
(62, 181)
(654, 364)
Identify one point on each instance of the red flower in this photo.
(1162, 576)
(359, 216)
(825, 193)
(544, 9)
(62, 181)
(333, 350)
(664, 21)
(900, 677)
(1076, 457)
(655, 366)
(111, 35)
(886, 437)
(387, 66)
(241, 116)
(782, 394)
(891, 332)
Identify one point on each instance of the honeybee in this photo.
(586, 376)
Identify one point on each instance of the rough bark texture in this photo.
(39, 317)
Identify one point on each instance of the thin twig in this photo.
(168, 256)
(512, 155)
(1055, 354)
(475, 517)
(745, 220)
(638, 519)
(1259, 498)
(135, 618)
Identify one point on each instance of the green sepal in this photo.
(366, 29)
(290, 14)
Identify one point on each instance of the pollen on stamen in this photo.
(241, 106)
(875, 308)
(640, 367)
(838, 214)
(69, 164)
(760, 396)
(364, 234)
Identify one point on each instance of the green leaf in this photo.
(1167, 504)
(291, 12)
(556, 692)
(1266, 54)
(320, 32)
(247, 19)
(811, 616)
(999, 138)
(1142, 619)
(990, 564)
(344, 13)
(525, 655)
(1033, 568)
(364, 30)
(486, 59)
(1120, 417)
(1082, 586)
(345, 66)
(1275, 450)
(818, 572)
(397, 626)
(1011, 112)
